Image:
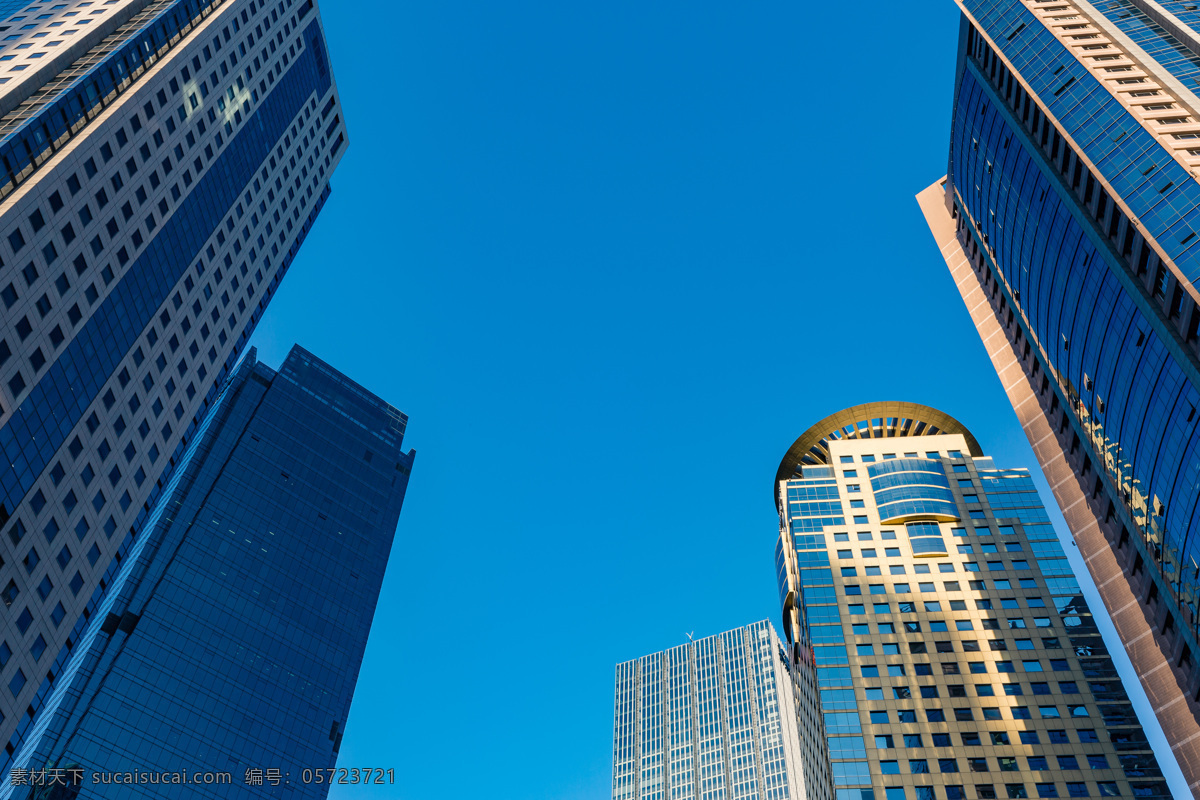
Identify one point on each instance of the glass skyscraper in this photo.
(160, 164)
(717, 718)
(955, 655)
(1070, 221)
(225, 653)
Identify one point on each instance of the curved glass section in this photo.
(906, 488)
(925, 539)
(781, 571)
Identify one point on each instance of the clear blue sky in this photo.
(612, 259)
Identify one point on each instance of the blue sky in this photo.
(612, 259)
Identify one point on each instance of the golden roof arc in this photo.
(881, 420)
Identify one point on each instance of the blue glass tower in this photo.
(161, 162)
(224, 656)
(1070, 220)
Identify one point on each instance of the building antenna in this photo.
(690, 635)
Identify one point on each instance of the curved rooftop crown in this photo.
(883, 420)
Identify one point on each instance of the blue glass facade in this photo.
(230, 641)
(156, 193)
(1066, 261)
(1072, 197)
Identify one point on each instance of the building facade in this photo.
(716, 718)
(955, 655)
(1070, 221)
(160, 164)
(224, 656)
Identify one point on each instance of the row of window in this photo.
(894, 552)
(967, 566)
(942, 626)
(972, 738)
(918, 766)
(870, 459)
(999, 584)
(952, 646)
(1011, 790)
(853, 473)
(916, 741)
(954, 668)
(960, 690)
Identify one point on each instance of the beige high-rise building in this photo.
(955, 654)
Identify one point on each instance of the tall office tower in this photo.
(160, 164)
(716, 718)
(955, 655)
(231, 638)
(1070, 221)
